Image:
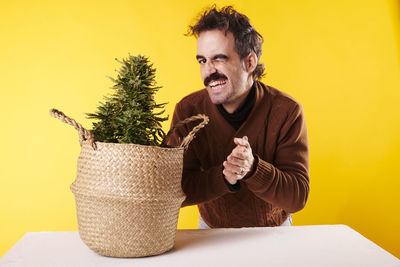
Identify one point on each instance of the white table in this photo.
(322, 245)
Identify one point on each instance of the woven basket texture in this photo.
(128, 198)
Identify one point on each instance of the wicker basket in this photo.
(128, 196)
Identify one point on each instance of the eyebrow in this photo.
(220, 56)
(217, 56)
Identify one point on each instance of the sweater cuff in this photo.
(232, 187)
(263, 172)
(221, 185)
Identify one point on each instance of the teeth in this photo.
(215, 83)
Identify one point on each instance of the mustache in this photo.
(214, 76)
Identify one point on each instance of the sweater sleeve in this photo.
(285, 183)
(199, 185)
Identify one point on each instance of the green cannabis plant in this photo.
(128, 116)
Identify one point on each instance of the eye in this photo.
(202, 60)
(220, 58)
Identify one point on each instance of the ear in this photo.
(251, 62)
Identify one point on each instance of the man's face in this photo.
(222, 71)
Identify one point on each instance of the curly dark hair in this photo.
(227, 19)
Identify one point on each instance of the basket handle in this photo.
(88, 135)
(186, 141)
(83, 133)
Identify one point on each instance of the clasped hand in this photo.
(240, 162)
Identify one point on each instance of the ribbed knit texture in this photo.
(278, 137)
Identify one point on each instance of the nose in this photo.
(208, 68)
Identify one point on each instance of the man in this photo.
(249, 166)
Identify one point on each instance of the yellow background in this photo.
(340, 59)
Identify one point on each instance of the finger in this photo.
(237, 161)
(242, 142)
(240, 154)
(231, 177)
(230, 180)
(245, 142)
(240, 149)
(239, 170)
(239, 141)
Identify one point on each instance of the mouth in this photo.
(215, 79)
(217, 84)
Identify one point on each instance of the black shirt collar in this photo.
(240, 115)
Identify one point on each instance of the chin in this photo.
(216, 100)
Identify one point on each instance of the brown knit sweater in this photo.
(278, 137)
